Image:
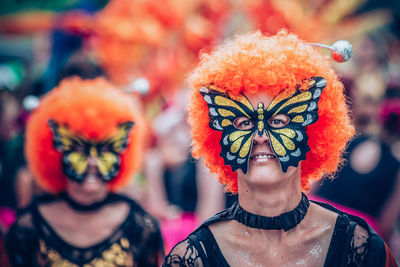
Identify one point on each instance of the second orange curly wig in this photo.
(254, 63)
(92, 109)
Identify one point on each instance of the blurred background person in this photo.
(12, 162)
(83, 142)
(182, 192)
(8, 113)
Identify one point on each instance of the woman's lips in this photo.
(262, 156)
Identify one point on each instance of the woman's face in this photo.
(92, 189)
(89, 164)
(264, 166)
(280, 121)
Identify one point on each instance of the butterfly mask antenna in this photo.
(341, 51)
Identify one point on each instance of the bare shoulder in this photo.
(326, 218)
(319, 222)
(225, 230)
(52, 211)
(220, 227)
(320, 215)
(324, 213)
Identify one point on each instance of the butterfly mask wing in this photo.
(289, 143)
(223, 111)
(73, 149)
(109, 156)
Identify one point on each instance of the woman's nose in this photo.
(92, 160)
(93, 157)
(261, 139)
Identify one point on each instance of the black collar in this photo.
(285, 221)
(86, 208)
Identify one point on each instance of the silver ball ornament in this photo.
(341, 51)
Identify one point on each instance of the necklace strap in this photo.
(285, 221)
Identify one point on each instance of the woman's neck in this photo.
(270, 200)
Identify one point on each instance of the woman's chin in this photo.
(267, 173)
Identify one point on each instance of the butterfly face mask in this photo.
(284, 121)
(76, 151)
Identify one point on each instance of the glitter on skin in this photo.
(316, 250)
(246, 257)
(273, 253)
(301, 262)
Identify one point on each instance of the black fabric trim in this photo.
(87, 208)
(214, 250)
(336, 247)
(200, 250)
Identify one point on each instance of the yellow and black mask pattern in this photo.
(76, 151)
(284, 121)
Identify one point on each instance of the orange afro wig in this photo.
(92, 109)
(254, 63)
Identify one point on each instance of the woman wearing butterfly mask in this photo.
(83, 143)
(268, 115)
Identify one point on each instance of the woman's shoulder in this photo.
(26, 215)
(24, 232)
(183, 254)
(192, 251)
(134, 206)
(354, 241)
(202, 237)
(139, 222)
(137, 210)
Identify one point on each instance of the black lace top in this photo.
(201, 249)
(31, 241)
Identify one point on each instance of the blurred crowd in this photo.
(146, 48)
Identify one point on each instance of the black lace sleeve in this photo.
(147, 242)
(22, 242)
(366, 248)
(358, 249)
(184, 253)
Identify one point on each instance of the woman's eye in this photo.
(243, 123)
(278, 121)
(103, 148)
(79, 149)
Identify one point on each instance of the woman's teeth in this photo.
(263, 157)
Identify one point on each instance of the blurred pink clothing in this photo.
(7, 216)
(176, 230)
